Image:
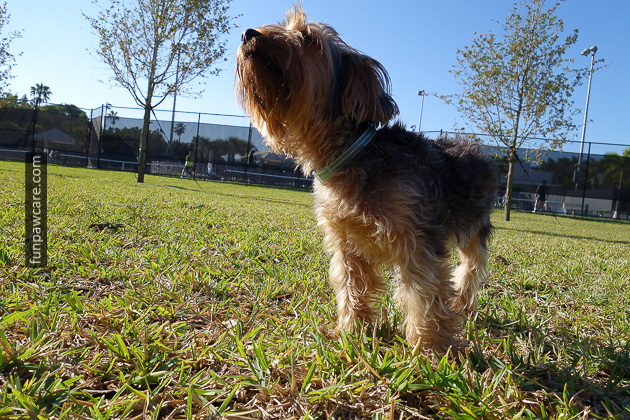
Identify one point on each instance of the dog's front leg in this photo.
(357, 283)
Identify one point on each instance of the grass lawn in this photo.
(210, 303)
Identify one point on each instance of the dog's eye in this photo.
(307, 40)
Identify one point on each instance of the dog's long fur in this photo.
(402, 201)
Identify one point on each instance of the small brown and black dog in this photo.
(383, 196)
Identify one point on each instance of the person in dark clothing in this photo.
(541, 196)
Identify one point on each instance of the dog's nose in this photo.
(249, 34)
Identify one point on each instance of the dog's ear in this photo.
(364, 90)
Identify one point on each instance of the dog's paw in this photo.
(329, 333)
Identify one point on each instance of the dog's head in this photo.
(299, 79)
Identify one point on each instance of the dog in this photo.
(384, 196)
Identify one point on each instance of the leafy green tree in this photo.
(7, 59)
(615, 174)
(179, 150)
(612, 168)
(214, 150)
(124, 141)
(10, 100)
(40, 93)
(157, 47)
(518, 85)
(64, 109)
(562, 170)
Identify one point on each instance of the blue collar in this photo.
(325, 174)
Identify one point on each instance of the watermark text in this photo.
(36, 210)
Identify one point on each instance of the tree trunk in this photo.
(144, 135)
(510, 181)
(148, 106)
(513, 149)
(144, 141)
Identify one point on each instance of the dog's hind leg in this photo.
(357, 284)
(470, 273)
(423, 293)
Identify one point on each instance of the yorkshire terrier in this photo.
(384, 196)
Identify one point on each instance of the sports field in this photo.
(210, 301)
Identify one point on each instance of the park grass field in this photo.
(211, 302)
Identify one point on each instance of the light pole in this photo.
(587, 51)
(170, 142)
(421, 93)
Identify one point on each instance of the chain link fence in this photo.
(597, 185)
(108, 138)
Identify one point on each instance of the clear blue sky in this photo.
(416, 41)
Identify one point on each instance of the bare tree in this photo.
(158, 47)
(518, 85)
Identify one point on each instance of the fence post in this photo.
(588, 160)
(625, 192)
(249, 142)
(196, 147)
(34, 132)
(88, 143)
(100, 139)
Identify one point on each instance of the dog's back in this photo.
(453, 174)
(452, 182)
(469, 180)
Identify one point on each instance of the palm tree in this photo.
(611, 168)
(113, 116)
(40, 93)
(179, 130)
